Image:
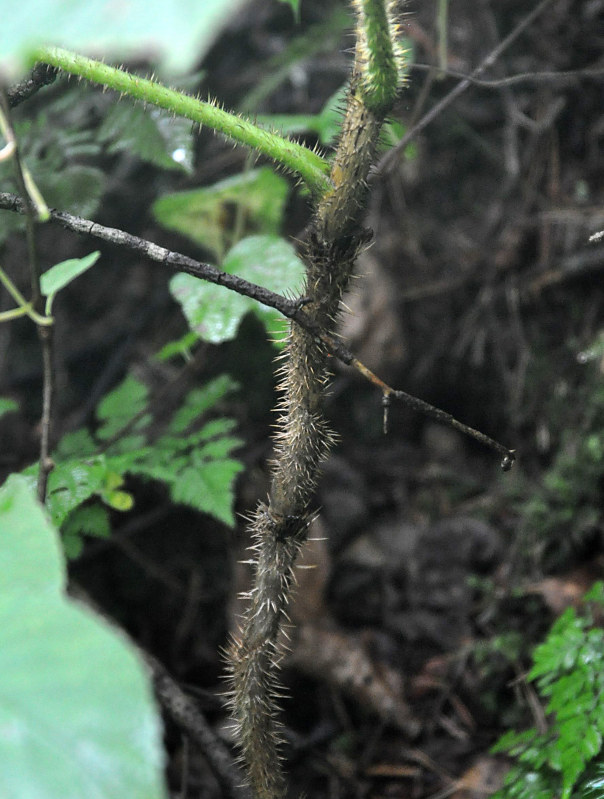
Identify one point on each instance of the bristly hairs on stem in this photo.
(289, 154)
(303, 438)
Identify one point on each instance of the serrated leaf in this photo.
(118, 408)
(208, 216)
(7, 406)
(199, 400)
(214, 312)
(73, 482)
(77, 716)
(218, 449)
(88, 520)
(178, 33)
(209, 488)
(153, 135)
(77, 443)
(63, 273)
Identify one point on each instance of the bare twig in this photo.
(30, 202)
(562, 77)
(292, 309)
(387, 160)
(41, 75)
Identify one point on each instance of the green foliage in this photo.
(54, 146)
(138, 29)
(569, 673)
(215, 216)
(62, 149)
(326, 124)
(215, 313)
(62, 668)
(152, 135)
(192, 458)
(7, 406)
(62, 274)
(565, 509)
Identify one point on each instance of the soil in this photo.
(483, 296)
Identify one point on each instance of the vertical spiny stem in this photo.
(303, 436)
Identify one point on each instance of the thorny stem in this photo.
(303, 437)
(292, 309)
(311, 167)
(35, 210)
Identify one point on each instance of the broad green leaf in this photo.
(77, 716)
(152, 134)
(120, 407)
(252, 201)
(178, 33)
(215, 313)
(62, 274)
(73, 482)
(7, 406)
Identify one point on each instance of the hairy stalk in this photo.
(309, 165)
(303, 437)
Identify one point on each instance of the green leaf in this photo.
(178, 32)
(209, 216)
(78, 443)
(120, 407)
(215, 313)
(84, 520)
(200, 400)
(150, 133)
(62, 274)
(119, 500)
(73, 482)
(209, 488)
(181, 346)
(77, 716)
(7, 406)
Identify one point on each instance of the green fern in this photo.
(193, 458)
(569, 672)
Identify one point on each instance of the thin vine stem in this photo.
(35, 210)
(309, 165)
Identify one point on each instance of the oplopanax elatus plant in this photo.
(338, 190)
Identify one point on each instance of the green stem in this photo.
(311, 167)
(25, 307)
(376, 55)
